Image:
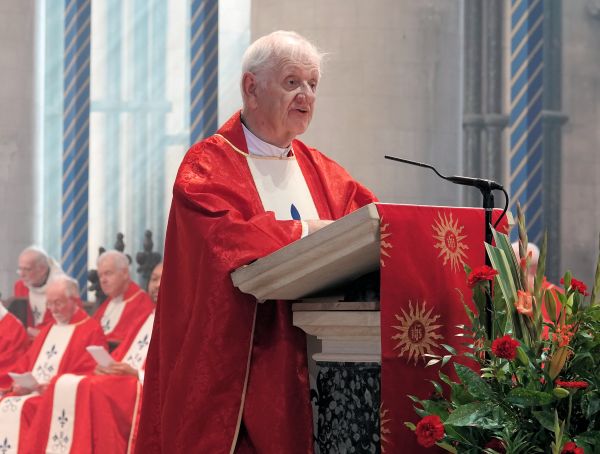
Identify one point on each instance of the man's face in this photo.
(154, 283)
(113, 280)
(30, 270)
(60, 306)
(285, 100)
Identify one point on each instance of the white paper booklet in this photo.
(26, 380)
(100, 354)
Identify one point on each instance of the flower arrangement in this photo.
(529, 380)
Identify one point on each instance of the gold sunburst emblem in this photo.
(417, 332)
(384, 431)
(449, 239)
(383, 234)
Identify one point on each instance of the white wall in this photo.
(581, 139)
(17, 126)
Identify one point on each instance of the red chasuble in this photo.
(138, 306)
(75, 359)
(106, 409)
(219, 360)
(13, 340)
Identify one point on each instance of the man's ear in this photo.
(249, 89)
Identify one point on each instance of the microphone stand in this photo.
(486, 187)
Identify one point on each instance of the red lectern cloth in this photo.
(423, 250)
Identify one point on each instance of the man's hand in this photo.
(32, 332)
(117, 369)
(316, 224)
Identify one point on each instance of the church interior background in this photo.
(100, 99)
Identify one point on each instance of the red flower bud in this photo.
(571, 448)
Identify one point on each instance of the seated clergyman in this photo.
(127, 304)
(36, 269)
(60, 348)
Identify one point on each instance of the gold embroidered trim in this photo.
(243, 153)
(239, 420)
(135, 411)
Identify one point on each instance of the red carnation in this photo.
(576, 285)
(571, 384)
(429, 430)
(481, 273)
(505, 347)
(571, 448)
(497, 445)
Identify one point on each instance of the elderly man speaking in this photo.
(224, 372)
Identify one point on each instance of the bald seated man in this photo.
(35, 270)
(127, 305)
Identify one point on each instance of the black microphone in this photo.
(479, 183)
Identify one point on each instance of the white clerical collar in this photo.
(3, 311)
(117, 299)
(259, 147)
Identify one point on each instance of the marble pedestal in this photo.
(347, 391)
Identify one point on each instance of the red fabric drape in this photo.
(423, 250)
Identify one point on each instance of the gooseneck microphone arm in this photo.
(486, 187)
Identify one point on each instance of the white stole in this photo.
(282, 188)
(37, 302)
(138, 350)
(54, 347)
(112, 314)
(62, 426)
(10, 422)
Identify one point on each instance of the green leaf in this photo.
(447, 447)
(528, 397)
(545, 419)
(504, 278)
(590, 438)
(593, 407)
(476, 386)
(503, 243)
(471, 414)
(410, 425)
(449, 348)
(437, 386)
(595, 298)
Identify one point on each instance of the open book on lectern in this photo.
(337, 253)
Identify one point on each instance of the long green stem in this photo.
(568, 423)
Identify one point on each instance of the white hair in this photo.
(531, 247)
(267, 52)
(40, 256)
(119, 259)
(69, 284)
